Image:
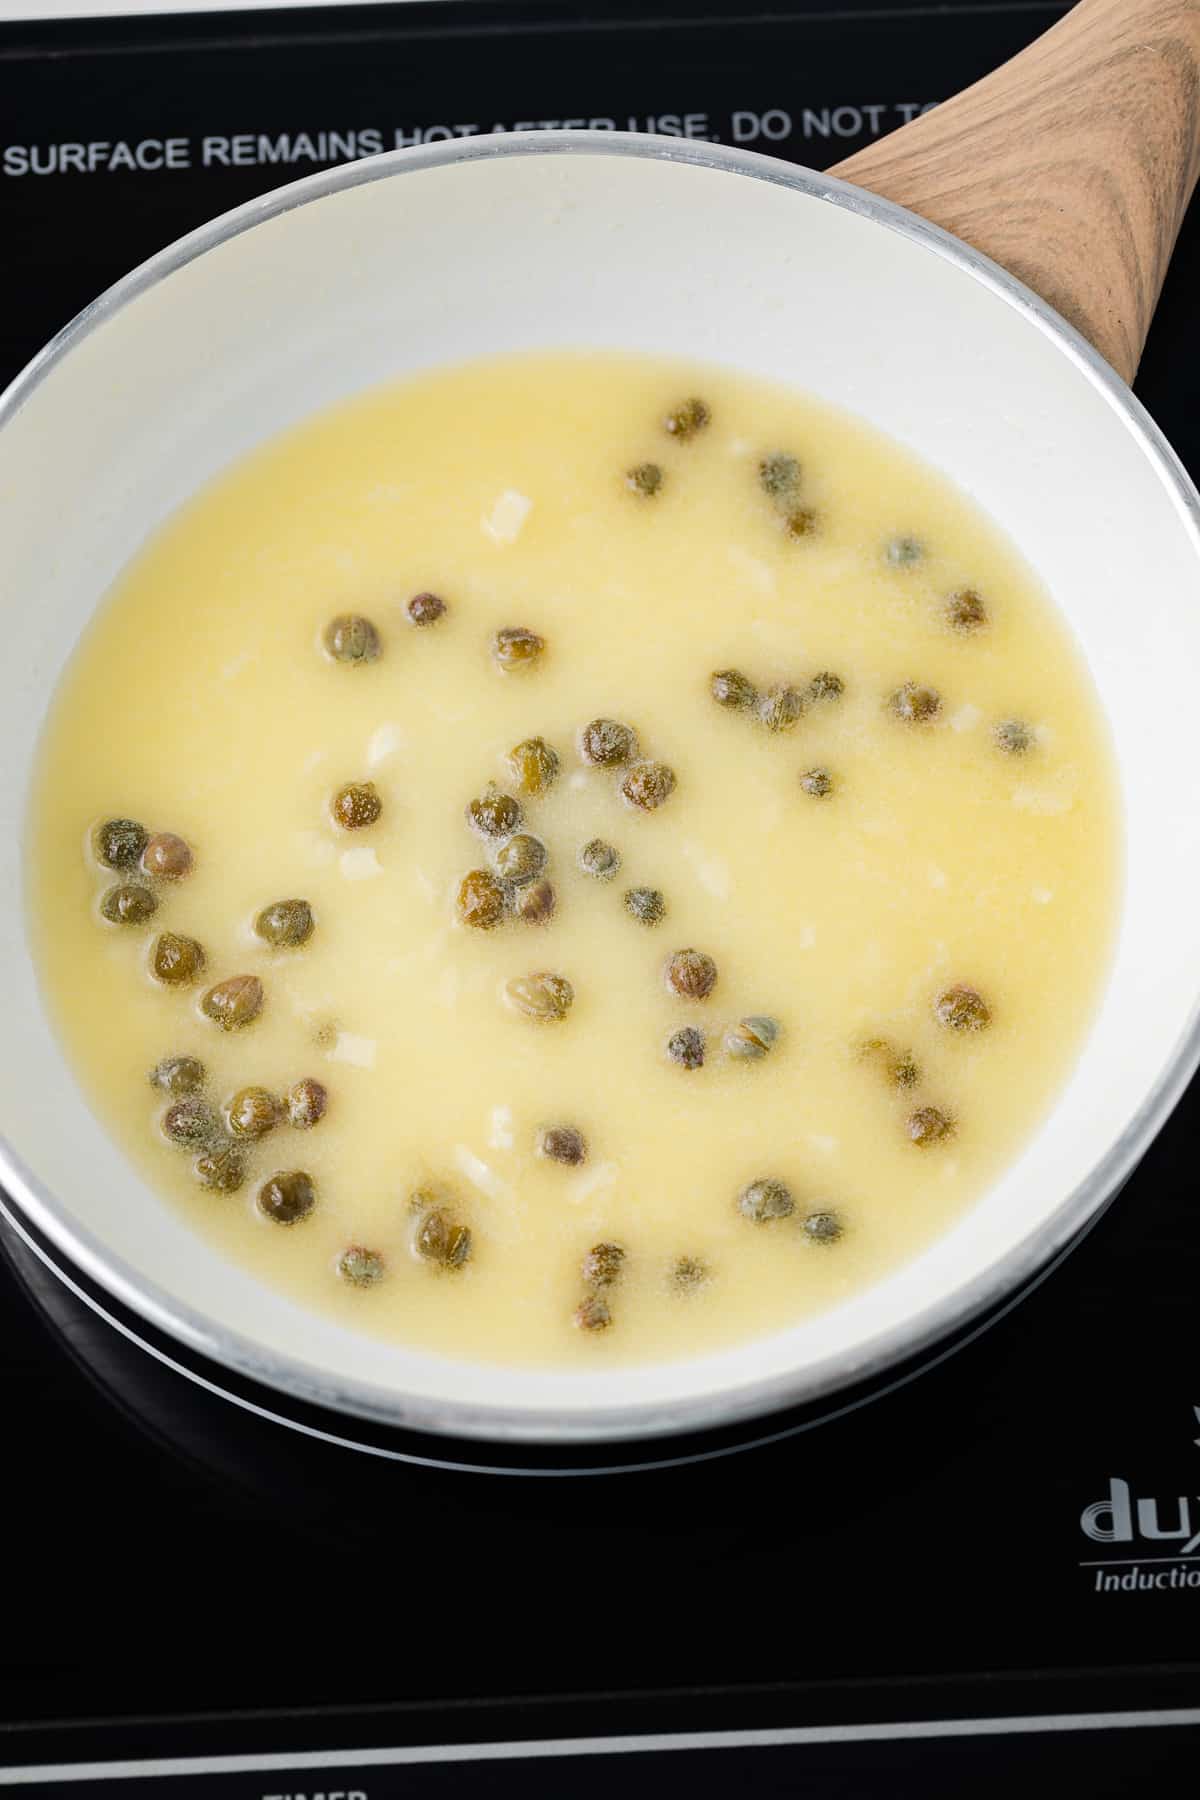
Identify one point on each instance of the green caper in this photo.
(765, 1199)
(356, 805)
(352, 639)
(644, 479)
(167, 857)
(607, 743)
(521, 860)
(729, 687)
(899, 1066)
(306, 1103)
(915, 704)
(543, 997)
(965, 610)
(904, 1070)
(128, 904)
(688, 1274)
(286, 1196)
(800, 521)
(190, 1121)
(176, 961)
(686, 419)
(822, 1227)
(494, 815)
(426, 609)
(962, 1008)
(817, 782)
(753, 1038)
(648, 784)
(691, 974)
(903, 552)
(563, 1144)
(646, 905)
(603, 1265)
(285, 924)
(179, 1075)
(780, 708)
(928, 1125)
(222, 1168)
(360, 1267)
(685, 1047)
(826, 686)
(517, 648)
(599, 860)
(779, 475)
(1013, 736)
(534, 904)
(234, 1003)
(440, 1240)
(481, 900)
(252, 1112)
(534, 765)
(593, 1314)
(118, 843)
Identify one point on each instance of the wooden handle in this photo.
(1072, 165)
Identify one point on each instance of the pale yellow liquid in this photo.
(200, 702)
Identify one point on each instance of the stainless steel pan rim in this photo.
(750, 1399)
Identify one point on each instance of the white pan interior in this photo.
(442, 255)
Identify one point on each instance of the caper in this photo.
(190, 1121)
(167, 857)
(753, 1038)
(686, 419)
(965, 610)
(928, 1125)
(689, 1273)
(899, 1066)
(179, 1074)
(915, 704)
(563, 1144)
(352, 639)
(779, 475)
(543, 997)
(439, 1239)
(645, 479)
(176, 960)
(692, 974)
(516, 648)
(780, 708)
(128, 904)
(306, 1103)
(119, 843)
(962, 1008)
(252, 1112)
(359, 1266)
(902, 552)
(600, 860)
(1013, 736)
(904, 1070)
(765, 1199)
(521, 860)
(534, 765)
(729, 687)
(356, 805)
(287, 1196)
(534, 904)
(426, 609)
(826, 686)
(822, 1227)
(800, 521)
(817, 782)
(603, 1265)
(234, 1003)
(494, 815)
(593, 1314)
(646, 905)
(607, 743)
(686, 1047)
(480, 899)
(222, 1168)
(285, 924)
(648, 784)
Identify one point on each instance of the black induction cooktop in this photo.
(989, 1574)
